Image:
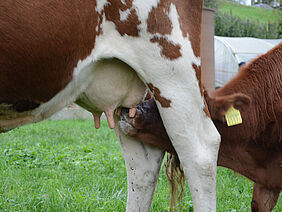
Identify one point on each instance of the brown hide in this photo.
(40, 45)
(253, 148)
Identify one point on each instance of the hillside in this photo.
(251, 13)
(235, 20)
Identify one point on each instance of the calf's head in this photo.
(147, 125)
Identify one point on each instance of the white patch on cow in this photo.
(177, 35)
(101, 4)
(144, 7)
(124, 14)
(123, 2)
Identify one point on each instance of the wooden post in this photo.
(207, 49)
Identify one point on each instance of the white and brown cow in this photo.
(55, 52)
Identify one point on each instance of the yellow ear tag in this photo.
(233, 117)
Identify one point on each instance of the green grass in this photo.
(251, 13)
(70, 166)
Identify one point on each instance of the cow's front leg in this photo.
(142, 165)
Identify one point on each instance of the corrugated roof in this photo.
(230, 51)
(246, 45)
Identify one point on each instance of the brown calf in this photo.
(253, 148)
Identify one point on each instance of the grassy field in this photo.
(70, 166)
(251, 13)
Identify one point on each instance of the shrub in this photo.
(233, 26)
(211, 3)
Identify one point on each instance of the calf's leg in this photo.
(264, 199)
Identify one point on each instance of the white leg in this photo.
(142, 165)
(193, 135)
(196, 141)
(191, 132)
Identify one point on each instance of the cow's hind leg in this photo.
(142, 165)
(176, 90)
(196, 141)
(264, 199)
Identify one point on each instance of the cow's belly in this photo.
(115, 85)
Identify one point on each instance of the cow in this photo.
(54, 52)
(252, 148)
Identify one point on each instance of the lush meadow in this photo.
(70, 166)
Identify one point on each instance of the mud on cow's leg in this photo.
(264, 199)
(142, 165)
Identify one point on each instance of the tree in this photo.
(265, 1)
(211, 3)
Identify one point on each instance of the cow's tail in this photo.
(175, 175)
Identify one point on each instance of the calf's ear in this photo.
(241, 101)
(223, 103)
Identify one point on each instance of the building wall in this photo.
(244, 2)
